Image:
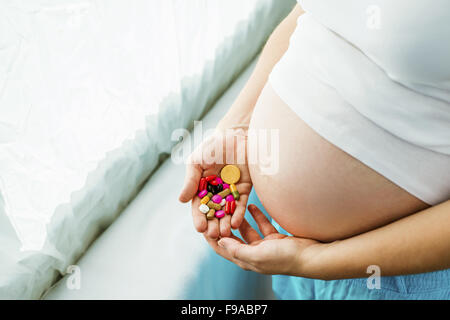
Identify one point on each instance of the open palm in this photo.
(208, 159)
(273, 253)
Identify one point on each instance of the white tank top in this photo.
(408, 39)
(373, 78)
(410, 42)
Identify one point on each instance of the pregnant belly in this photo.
(319, 191)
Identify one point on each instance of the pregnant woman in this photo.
(359, 92)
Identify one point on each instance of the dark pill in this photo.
(217, 189)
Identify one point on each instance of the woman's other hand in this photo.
(275, 253)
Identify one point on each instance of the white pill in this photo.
(203, 208)
(222, 203)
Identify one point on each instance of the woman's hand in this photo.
(205, 161)
(274, 254)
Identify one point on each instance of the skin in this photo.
(386, 233)
(415, 244)
(319, 191)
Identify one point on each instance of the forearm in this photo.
(415, 244)
(241, 110)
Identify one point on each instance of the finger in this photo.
(215, 245)
(239, 213)
(198, 217)
(261, 220)
(225, 254)
(224, 225)
(248, 233)
(191, 180)
(213, 228)
(243, 252)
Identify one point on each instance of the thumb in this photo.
(193, 175)
(228, 243)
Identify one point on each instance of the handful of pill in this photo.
(219, 194)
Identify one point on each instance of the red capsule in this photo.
(211, 178)
(233, 206)
(214, 182)
(230, 207)
(202, 185)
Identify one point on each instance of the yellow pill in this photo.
(212, 205)
(211, 214)
(234, 192)
(205, 200)
(224, 193)
(230, 174)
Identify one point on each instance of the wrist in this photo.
(232, 128)
(236, 116)
(315, 262)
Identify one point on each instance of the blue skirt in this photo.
(432, 285)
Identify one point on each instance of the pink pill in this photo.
(220, 214)
(226, 186)
(219, 180)
(229, 197)
(203, 193)
(216, 198)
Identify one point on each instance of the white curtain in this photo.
(90, 92)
